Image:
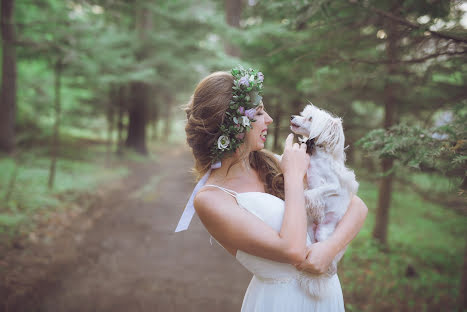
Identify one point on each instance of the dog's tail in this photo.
(317, 286)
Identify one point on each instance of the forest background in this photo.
(89, 85)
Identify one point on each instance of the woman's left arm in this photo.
(320, 255)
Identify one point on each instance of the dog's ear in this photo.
(333, 137)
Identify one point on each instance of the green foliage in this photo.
(425, 237)
(30, 195)
(442, 148)
(332, 53)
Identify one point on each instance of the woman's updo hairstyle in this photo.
(205, 113)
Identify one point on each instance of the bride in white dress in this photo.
(253, 211)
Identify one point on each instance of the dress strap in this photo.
(230, 192)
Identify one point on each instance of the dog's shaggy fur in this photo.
(330, 184)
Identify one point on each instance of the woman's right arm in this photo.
(236, 228)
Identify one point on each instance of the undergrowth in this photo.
(421, 268)
(24, 192)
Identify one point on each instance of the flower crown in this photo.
(246, 97)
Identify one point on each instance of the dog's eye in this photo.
(310, 118)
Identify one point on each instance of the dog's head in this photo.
(318, 124)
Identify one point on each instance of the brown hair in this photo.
(205, 113)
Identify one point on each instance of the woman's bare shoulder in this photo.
(209, 198)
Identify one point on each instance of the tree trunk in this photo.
(349, 142)
(168, 120)
(136, 136)
(350, 153)
(154, 115)
(8, 90)
(55, 139)
(385, 187)
(121, 108)
(110, 121)
(139, 91)
(277, 121)
(233, 12)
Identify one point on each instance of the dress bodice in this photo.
(277, 286)
(269, 209)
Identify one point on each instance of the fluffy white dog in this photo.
(330, 183)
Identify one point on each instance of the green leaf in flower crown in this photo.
(255, 98)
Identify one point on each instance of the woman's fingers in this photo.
(288, 141)
(293, 161)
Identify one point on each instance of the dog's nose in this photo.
(291, 118)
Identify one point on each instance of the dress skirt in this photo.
(288, 296)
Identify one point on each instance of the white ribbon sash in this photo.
(189, 211)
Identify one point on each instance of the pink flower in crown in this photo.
(250, 113)
(241, 110)
(244, 81)
(240, 136)
(260, 76)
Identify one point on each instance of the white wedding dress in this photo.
(275, 286)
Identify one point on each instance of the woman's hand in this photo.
(318, 259)
(295, 160)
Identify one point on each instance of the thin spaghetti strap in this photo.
(230, 192)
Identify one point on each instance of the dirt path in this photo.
(129, 259)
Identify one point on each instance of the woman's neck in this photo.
(240, 170)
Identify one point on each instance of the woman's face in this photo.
(256, 136)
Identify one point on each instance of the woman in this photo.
(252, 203)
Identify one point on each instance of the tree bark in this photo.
(139, 91)
(233, 12)
(277, 121)
(121, 109)
(110, 120)
(56, 133)
(168, 120)
(154, 115)
(385, 187)
(8, 90)
(136, 136)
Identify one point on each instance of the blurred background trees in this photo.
(376, 63)
(119, 71)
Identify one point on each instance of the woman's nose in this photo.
(269, 119)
